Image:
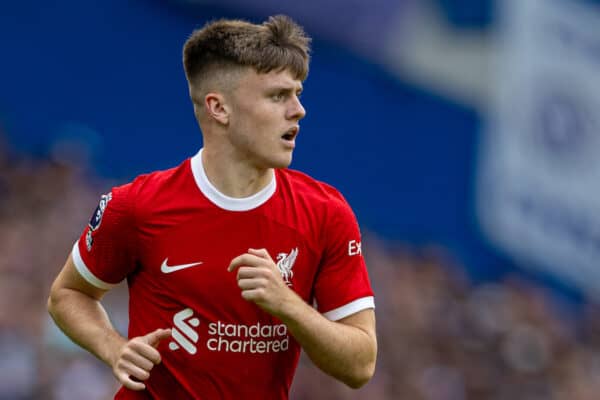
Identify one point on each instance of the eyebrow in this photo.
(286, 88)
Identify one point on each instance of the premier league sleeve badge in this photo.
(96, 219)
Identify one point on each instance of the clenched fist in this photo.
(137, 357)
(261, 282)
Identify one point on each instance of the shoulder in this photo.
(146, 184)
(303, 185)
(317, 196)
(161, 182)
(157, 187)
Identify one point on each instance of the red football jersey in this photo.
(172, 234)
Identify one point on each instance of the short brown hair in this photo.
(276, 44)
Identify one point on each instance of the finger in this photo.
(246, 259)
(154, 338)
(262, 253)
(253, 295)
(235, 263)
(125, 380)
(249, 284)
(137, 359)
(133, 371)
(248, 273)
(145, 350)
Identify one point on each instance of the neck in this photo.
(232, 176)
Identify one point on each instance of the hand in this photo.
(261, 281)
(137, 357)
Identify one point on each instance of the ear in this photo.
(216, 107)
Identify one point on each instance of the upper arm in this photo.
(342, 286)
(69, 278)
(105, 253)
(363, 320)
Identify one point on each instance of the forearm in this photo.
(346, 349)
(346, 352)
(84, 320)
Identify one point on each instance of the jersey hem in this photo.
(86, 273)
(351, 308)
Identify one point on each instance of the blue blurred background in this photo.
(105, 78)
(466, 129)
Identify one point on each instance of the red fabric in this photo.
(241, 352)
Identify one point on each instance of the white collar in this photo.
(223, 201)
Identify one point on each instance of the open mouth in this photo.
(290, 134)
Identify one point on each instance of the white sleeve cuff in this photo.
(351, 308)
(86, 273)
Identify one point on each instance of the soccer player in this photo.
(233, 262)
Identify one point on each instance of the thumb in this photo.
(262, 253)
(154, 338)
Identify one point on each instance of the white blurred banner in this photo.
(539, 171)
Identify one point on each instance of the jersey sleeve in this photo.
(104, 254)
(342, 286)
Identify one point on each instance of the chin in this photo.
(281, 165)
(282, 162)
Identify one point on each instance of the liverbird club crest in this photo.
(285, 263)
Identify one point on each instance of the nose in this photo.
(296, 111)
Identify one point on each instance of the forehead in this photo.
(270, 80)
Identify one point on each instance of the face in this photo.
(264, 113)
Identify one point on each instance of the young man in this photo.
(225, 254)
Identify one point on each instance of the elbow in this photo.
(53, 301)
(361, 376)
(364, 370)
(51, 304)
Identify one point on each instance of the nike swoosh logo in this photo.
(167, 269)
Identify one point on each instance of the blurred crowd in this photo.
(44, 205)
(441, 337)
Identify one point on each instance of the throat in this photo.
(236, 181)
(242, 188)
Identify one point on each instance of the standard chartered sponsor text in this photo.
(238, 338)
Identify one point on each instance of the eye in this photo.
(278, 96)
